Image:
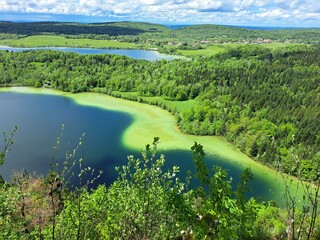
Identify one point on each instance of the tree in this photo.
(7, 144)
(223, 213)
(146, 202)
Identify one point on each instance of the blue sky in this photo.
(280, 13)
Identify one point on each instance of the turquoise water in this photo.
(40, 117)
(136, 54)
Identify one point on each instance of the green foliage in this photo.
(302, 221)
(270, 223)
(11, 224)
(81, 220)
(7, 144)
(198, 160)
(111, 29)
(224, 213)
(146, 202)
(65, 41)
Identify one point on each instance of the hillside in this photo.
(111, 29)
(159, 34)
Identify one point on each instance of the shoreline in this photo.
(152, 121)
(147, 120)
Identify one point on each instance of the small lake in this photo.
(40, 117)
(136, 54)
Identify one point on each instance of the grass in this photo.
(211, 50)
(208, 51)
(58, 41)
(278, 45)
(180, 106)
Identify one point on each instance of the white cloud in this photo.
(273, 14)
(151, 2)
(248, 12)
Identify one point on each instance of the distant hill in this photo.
(231, 33)
(159, 34)
(111, 29)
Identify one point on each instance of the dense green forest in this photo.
(111, 29)
(264, 101)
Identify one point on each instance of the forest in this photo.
(265, 101)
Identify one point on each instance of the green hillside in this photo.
(141, 32)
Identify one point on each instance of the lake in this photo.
(40, 116)
(136, 54)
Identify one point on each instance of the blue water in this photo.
(40, 117)
(136, 54)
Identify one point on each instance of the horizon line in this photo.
(253, 27)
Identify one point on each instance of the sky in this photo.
(267, 13)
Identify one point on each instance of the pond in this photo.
(40, 117)
(136, 54)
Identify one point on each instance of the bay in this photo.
(40, 118)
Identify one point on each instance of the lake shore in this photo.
(152, 121)
(138, 54)
(148, 121)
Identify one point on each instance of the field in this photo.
(58, 41)
(211, 50)
(208, 51)
(180, 106)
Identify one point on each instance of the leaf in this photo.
(2, 158)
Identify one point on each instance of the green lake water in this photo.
(40, 118)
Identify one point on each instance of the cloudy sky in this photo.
(281, 13)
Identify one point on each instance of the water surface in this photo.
(40, 117)
(136, 54)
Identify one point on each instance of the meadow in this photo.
(211, 50)
(59, 41)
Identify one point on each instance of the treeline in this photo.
(264, 101)
(159, 35)
(237, 34)
(111, 29)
